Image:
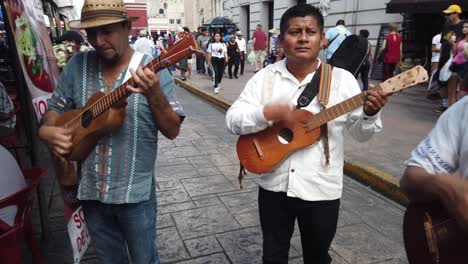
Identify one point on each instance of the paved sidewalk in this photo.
(407, 119)
(203, 217)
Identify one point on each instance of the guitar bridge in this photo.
(258, 148)
(431, 239)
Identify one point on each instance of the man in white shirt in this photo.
(144, 45)
(243, 50)
(435, 52)
(438, 167)
(303, 186)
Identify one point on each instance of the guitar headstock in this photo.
(405, 80)
(182, 49)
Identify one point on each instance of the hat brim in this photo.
(98, 22)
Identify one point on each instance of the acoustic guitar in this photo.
(261, 152)
(100, 117)
(433, 237)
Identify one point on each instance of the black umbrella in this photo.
(219, 22)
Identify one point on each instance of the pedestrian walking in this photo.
(233, 56)
(451, 32)
(366, 65)
(242, 50)
(202, 40)
(217, 57)
(144, 45)
(392, 49)
(259, 39)
(334, 37)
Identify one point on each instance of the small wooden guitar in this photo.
(100, 116)
(432, 236)
(261, 152)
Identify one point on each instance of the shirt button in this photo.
(292, 170)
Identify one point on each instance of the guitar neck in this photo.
(121, 92)
(173, 54)
(340, 109)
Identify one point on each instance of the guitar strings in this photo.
(124, 84)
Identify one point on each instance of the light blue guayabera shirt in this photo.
(121, 167)
(339, 31)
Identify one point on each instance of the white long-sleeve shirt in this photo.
(304, 174)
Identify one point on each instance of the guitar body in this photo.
(432, 237)
(261, 152)
(86, 133)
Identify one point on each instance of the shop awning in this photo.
(423, 6)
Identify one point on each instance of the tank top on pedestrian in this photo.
(232, 50)
(217, 49)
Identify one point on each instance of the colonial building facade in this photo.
(199, 11)
(358, 14)
(165, 15)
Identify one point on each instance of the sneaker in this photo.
(440, 109)
(216, 90)
(235, 76)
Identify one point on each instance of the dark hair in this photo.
(364, 33)
(186, 29)
(72, 35)
(340, 22)
(300, 11)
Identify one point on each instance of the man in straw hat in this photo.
(117, 178)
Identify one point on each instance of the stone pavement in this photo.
(407, 118)
(203, 217)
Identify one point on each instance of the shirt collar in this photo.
(281, 68)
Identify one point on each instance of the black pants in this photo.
(364, 71)
(201, 64)
(233, 60)
(218, 67)
(242, 62)
(317, 223)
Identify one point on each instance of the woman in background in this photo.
(393, 46)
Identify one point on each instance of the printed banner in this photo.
(41, 73)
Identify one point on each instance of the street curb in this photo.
(376, 179)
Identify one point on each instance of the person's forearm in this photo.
(421, 186)
(49, 119)
(167, 120)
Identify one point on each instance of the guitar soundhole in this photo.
(86, 118)
(285, 136)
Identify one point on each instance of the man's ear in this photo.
(280, 41)
(323, 41)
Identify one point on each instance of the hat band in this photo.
(103, 13)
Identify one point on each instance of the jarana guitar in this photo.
(98, 117)
(263, 151)
(433, 237)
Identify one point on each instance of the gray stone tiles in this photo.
(203, 216)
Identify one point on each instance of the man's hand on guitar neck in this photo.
(277, 112)
(375, 100)
(145, 81)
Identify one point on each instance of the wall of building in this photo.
(358, 14)
(172, 17)
(199, 11)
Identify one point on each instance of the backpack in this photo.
(351, 54)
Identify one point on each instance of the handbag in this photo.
(445, 72)
(381, 57)
(252, 58)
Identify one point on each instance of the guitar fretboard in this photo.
(338, 110)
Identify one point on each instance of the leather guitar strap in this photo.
(320, 84)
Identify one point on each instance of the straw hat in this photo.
(272, 31)
(96, 13)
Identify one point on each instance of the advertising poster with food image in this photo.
(41, 73)
(35, 52)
